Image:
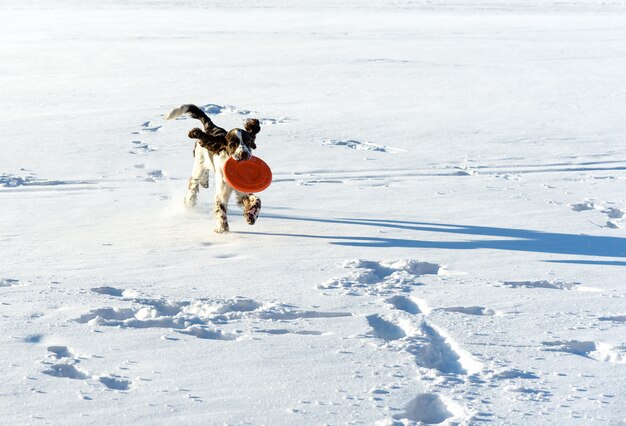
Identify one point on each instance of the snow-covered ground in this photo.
(444, 240)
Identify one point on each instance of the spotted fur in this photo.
(213, 147)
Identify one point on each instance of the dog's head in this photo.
(240, 143)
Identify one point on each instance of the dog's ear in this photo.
(252, 126)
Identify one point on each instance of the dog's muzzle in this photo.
(242, 154)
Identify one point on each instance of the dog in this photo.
(213, 147)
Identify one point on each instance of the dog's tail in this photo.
(194, 112)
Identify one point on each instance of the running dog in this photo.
(213, 147)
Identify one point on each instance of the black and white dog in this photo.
(214, 146)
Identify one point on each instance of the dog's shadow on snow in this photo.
(500, 239)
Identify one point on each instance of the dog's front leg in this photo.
(222, 195)
(251, 205)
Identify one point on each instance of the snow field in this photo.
(442, 244)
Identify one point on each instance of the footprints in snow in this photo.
(434, 350)
(471, 310)
(615, 318)
(360, 146)
(115, 382)
(427, 408)
(151, 176)
(588, 349)
(111, 291)
(141, 148)
(148, 127)
(380, 278)
(512, 373)
(555, 285)
(214, 319)
(8, 282)
(405, 304)
(59, 352)
(138, 147)
(552, 285)
(155, 175)
(383, 329)
(614, 212)
(66, 370)
(473, 169)
(407, 325)
(12, 181)
(614, 215)
(203, 318)
(416, 306)
(63, 363)
(581, 207)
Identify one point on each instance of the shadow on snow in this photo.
(507, 239)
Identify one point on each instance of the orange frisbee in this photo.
(252, 175)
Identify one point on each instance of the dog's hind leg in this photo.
(204, 179)
(199, 176)
(251, 205)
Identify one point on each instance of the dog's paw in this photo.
(190, 202)
(222, 228)
(195, 133)
(252, 208)
(204, 180)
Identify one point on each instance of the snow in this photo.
(443, 242)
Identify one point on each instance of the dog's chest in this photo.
(217, 161)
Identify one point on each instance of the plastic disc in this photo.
(252, 175)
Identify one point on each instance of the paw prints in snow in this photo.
(66, 370)
(115, 382)
(155, 175)
(61, 362)
(139, 147)
(361, 146)
(615, 215)
(149, 127)
(583, 206)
